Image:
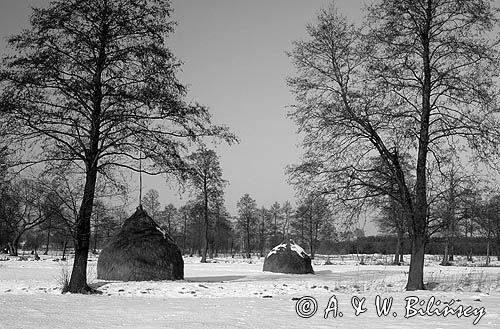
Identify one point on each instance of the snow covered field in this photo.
(235, 293)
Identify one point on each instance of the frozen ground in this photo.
(236, 293)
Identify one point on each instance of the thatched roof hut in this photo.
(141, 251)
(288, 257)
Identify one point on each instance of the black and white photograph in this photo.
(249, 164)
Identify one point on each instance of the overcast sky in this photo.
(235, 63)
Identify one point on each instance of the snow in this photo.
(164, 233)
(293, 246)
(236, 293)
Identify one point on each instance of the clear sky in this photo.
(234, 62)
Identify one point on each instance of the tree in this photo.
(206, 178)
(489, 223)
(94, 84)
(193, 215)
(276, 221)
(184, 216)
(247, 221)
(392, 219)
(447, 198)
(311, 215)
(102, 219)
(222, 234)
(151, 203)
(168, 218)
(263, 231)
(287, 215)
(416, 83)
(23, 209)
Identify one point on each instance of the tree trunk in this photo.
(12, 250)
(65, 245)
(488, 252)
(205, 233)
(78, 281)
(445, 261)
(46, 252)
(248, 238)
(416, 272)
(498, 249)
(96, 230)
(469, 256)
(14, 246)
(397, 251)
(211, 253)
(184, 233)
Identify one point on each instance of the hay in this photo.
(288, 257)
(141, 251)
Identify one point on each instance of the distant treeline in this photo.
(476, 246)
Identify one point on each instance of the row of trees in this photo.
(260, 229)
(42, 212)
(253, 230)
(461, 204)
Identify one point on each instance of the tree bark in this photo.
(416, 272)
(78, 281)
(446, 261)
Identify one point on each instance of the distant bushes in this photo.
(386, 245)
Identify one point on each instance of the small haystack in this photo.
(288, 257)
(141, 251)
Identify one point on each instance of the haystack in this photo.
(288, 257)
(141, 251)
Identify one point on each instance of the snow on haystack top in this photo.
(293, 246)
(162, 232)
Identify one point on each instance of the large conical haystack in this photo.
(141, 251)
(288, 257)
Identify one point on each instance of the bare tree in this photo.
(247, 221)
(311, 215)
(276, 214)
(94, 84)
(263, 231)
(151, 203)
(206, 178)
(418, 82)
(23, 209)
(287, 216)
(168, 218)
(392, 219)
